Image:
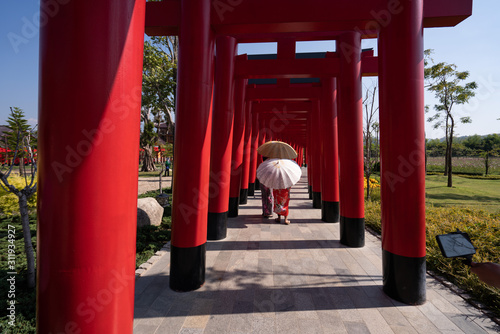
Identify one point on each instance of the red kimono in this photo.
(281, 199)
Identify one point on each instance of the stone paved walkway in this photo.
(271, 278)
(153, 183)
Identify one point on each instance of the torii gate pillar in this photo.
(247, 145)
(222, 138)
(253, 154)
(238, 144)
(316, 156)
(192, 147)
(90, 101)
(402, 146)
(329, 162)
(350, 131)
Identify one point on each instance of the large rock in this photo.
(149, 212)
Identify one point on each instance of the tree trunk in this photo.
(368, 165)
(425, 157)
(148, 164)
(28, 246)
(487, 163)
(449, 155)
(447, 136)
(21, 166)
(161, 172)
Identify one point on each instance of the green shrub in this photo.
(372, 215)
(154, 193)
(150, 239)
(9, 203)
(374, 194)
(25, 298)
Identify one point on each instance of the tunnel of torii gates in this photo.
(89, 105)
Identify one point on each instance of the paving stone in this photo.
(466, 324)
(356, 327)
(418, 320)
(217, 324)
(145, 329)
(403, 330)
(263, 325)
(304, 306)
(146, 299)
(264, 302)
(241, 322)
(191, 331)
(394, 317)
(310, 326)
(200, 314)
(438, 319)
(331, 321)
(286, 323)
(375, 321)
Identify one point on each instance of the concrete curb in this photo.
(149, 263)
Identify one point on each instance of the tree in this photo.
(23, 134)
(148, 140)
(17, 123)
(371, 128)
(436, 148)
(490, 147)
(159, 76)
(444, 80)
(158, 91)
(474, 144)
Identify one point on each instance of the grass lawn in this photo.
(471, 193)
(153, 173)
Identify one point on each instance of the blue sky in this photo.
(473, 45)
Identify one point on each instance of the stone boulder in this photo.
(149, 212)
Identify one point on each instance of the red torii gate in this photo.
(92, 66)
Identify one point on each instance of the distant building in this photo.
(6, 154)
(164, 137)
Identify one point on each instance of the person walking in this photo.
(267, 201)
(281, 200)
(168, 163)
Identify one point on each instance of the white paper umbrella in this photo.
(279, 173)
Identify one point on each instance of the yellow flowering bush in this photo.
(9, 203)
(373, 183)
